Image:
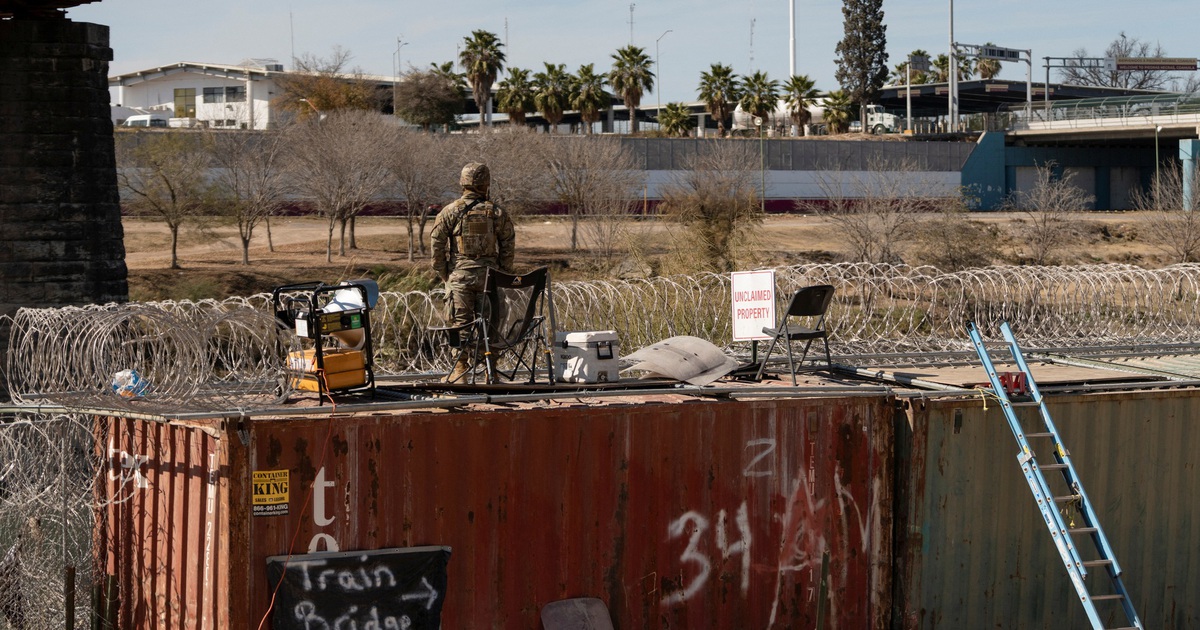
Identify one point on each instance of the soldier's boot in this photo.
(461, 367)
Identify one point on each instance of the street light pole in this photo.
(658, 92)
(952, 77)
(396, 72)
(762, 166)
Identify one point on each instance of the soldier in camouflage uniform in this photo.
(469, 235)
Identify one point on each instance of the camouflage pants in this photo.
(465, 290)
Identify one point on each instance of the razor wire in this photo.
(48, 503)
(231, 353)
(164, 356)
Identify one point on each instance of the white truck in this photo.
(879, 121)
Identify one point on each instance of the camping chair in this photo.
(809, 302)
(509, 321)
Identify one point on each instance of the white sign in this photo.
(753, 297)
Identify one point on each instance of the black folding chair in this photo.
(508, 323)
(807, 303)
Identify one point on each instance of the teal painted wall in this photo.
(991, 170)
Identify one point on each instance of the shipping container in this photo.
(675, 512)
(972, 549)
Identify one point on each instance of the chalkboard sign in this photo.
(382, 589)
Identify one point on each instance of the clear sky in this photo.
(745, 34)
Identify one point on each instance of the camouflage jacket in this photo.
(446, 237)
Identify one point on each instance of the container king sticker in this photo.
(270, 493)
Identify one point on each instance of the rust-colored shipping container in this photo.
(676, 512)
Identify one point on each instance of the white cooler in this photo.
(586, 357)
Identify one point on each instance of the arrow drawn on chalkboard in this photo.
(429, 593)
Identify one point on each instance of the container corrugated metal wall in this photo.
(973, 551)
(163, 524)
(685, 515)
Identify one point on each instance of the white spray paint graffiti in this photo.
(801, 545)
(127, 462)
(694, 555)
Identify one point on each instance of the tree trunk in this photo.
(175, 247)
(412, 237)
(329, 242)
(342, 237)
(246, 251)
(353, 242)
(270, 238)
(421, 230)
(575, 228)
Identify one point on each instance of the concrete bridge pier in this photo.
(61, 241)
(1189, 150)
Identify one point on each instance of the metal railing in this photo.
(1118, 111)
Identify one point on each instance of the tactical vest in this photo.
(476, 237)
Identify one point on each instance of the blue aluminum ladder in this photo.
(1061, 531)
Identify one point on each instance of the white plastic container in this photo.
(587, 357)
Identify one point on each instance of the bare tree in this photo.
(425, 177)
(164, 174)
(591, 177)
(1175, 228)
(341, 163)
(324, 84)
(517, 158)
(250, 181)
(1122, 46)
(1047, 206)
(716, 198)
(876, 211)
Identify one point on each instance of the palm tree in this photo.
(838, 111)
(760, 95)
(588, 96)
(482, 60)
(446, 70)
(900, 75)
(631, 78)
(987, 68)
(552, 92)
(675, 119)
(515, 96)
(941, 66)
(720, 90)
(799, 93)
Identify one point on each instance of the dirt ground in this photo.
(210, 255)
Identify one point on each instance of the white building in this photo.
(213, 95)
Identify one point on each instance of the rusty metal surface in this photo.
(680, 515)
(972, 551)
(163, 522)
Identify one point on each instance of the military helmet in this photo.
(475, 175)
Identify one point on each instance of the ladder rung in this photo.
(1099, 598)
(1082, 530)
(1126, 628)
(1024, 403)
(1029, 435)
(1096, 563)
(1053, 466)
(1067, 498)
